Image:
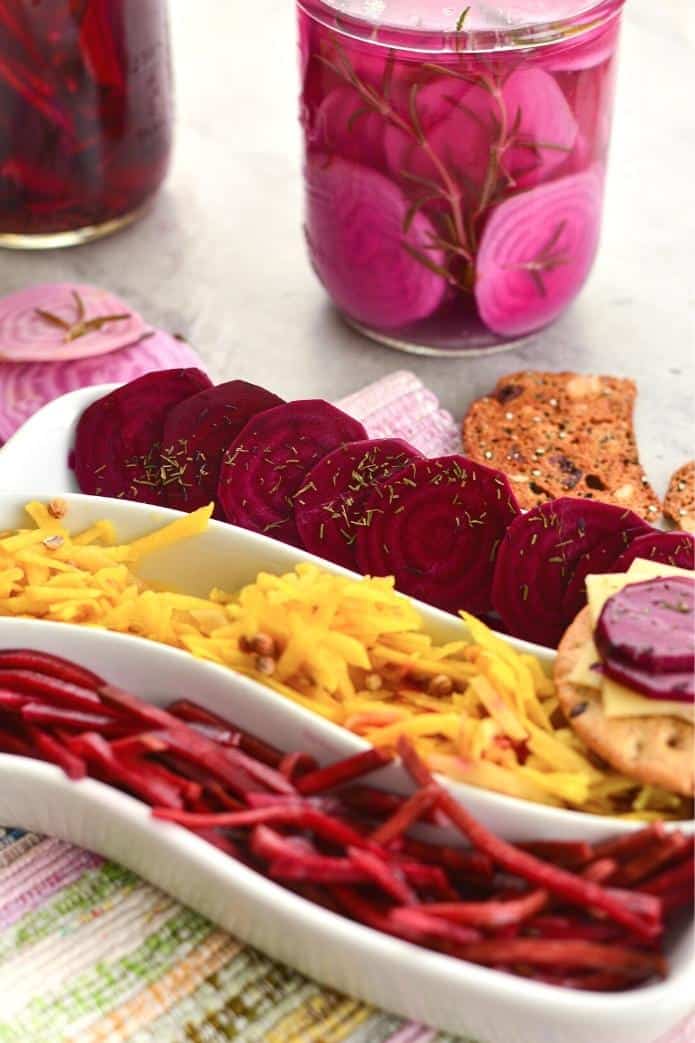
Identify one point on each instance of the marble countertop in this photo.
(220, 258)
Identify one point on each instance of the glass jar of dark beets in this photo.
(85, 116)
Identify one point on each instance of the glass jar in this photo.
(85, 116)
(455, 162)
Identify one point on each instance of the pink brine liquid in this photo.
(85, 112)
(454, 195)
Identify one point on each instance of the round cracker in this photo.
(656, 751)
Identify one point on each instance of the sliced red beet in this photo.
(118, 441)
(651, 624)
(199, 429)
(536, 251)
(364, 249)
(666, 548)
(436, 527)
(545, 557)
(267, 464)
(330, 507)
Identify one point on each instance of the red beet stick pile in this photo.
(563, 913)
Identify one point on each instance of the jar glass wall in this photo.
(85, 116)
(455, 164)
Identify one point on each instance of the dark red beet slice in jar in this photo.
(651, 625)
(197, 432)
(666, 548)
(119, 437)
(545, 558)
(330, 508)
(266, 465)
(436, 526)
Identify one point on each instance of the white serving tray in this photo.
(451, 995)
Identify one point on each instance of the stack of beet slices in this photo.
(449, 530)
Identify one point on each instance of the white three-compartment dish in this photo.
(455, 996)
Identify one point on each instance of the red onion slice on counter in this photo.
(53, 322)
(27, 386)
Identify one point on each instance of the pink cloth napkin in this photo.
(400, 406)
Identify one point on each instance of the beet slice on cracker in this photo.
(651, 625)
(657, 751)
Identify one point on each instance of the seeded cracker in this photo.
(679, 504)
(657, 751)
(562, 434)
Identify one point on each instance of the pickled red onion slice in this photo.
(57, 321)
(536, 252)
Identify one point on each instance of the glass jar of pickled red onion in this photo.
(455, 162)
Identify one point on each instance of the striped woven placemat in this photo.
(90, 953)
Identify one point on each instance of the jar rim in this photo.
(463, 36)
